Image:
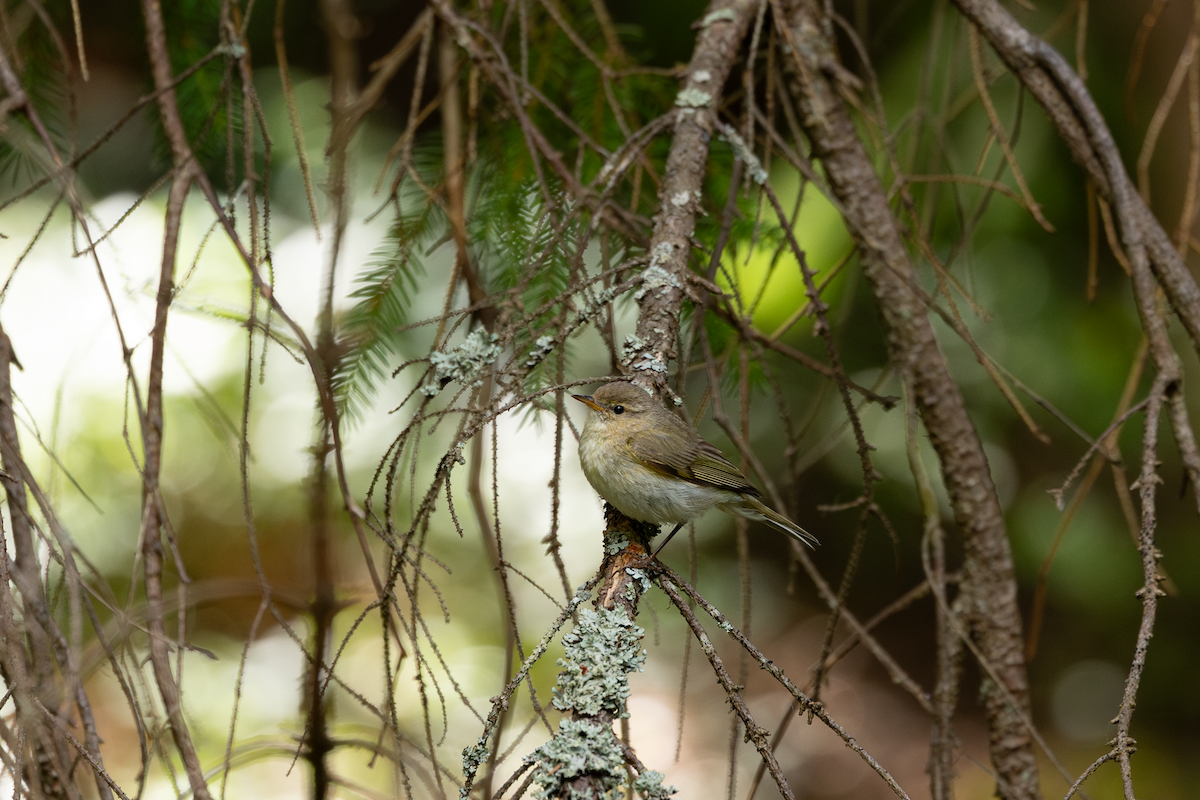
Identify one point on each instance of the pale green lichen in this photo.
(634, 353)
(724, 15)
(582, 748)
(579, 748)
(602, 299)
(662, 251)
(654, 276)
(541, 348)
(631, 593)
(473, 758)
(600, 653)
(692, 97)
(650, 786)
(649, 362)
(462, 363)
(616, 544)
(640, 577)
(632, 345)
(477, 754)
(744, 153)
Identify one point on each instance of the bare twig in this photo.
(1147, 483)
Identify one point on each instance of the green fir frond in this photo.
(526, 246)
(370, 330)
(193, 29)
(43, 77)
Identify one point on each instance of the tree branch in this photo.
(661, 297)
(988, 585)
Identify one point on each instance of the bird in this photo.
(653, 467)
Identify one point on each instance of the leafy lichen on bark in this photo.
(600, 653)
(584, 759)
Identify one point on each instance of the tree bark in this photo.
(722, 30)
(989, 591)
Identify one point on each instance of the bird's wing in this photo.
(698, 462)
(710, 466)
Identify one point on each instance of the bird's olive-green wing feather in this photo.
(711, 467)
(690, 458)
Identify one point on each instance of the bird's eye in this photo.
(618, 409)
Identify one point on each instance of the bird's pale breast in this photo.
(639, 492)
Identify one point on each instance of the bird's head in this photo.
(618, 402)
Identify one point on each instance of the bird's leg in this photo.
(654, 555)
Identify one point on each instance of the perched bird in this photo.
(654, 467)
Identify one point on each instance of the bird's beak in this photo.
(588, 401)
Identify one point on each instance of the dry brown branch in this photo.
(988, 584)
(1137, 59)
(1064, 97)
(1109, 452)
(943, 743)
(496, 69)
(153, 518)
(1010, 158)
(1182, 69)
(285, 77)
(1147, 482)
(671, 584)
(28, 672)
(754, 733)
(866, 501)
(1146, 244)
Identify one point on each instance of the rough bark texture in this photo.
(664, 291)
(661, 298)
(620, 587)
(989, 589)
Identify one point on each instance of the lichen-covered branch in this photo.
(665, 286)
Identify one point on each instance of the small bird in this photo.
(654, 467)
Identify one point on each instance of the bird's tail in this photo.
(753, 508)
